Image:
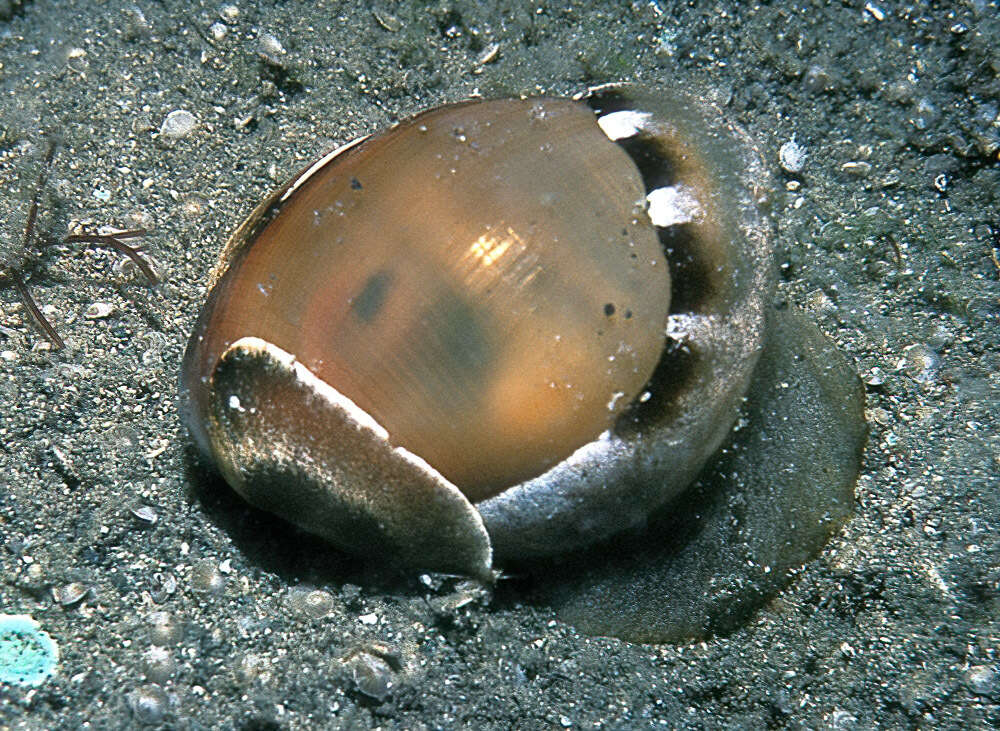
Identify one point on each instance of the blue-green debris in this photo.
(28, 656)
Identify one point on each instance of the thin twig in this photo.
(29, 226)
(896, 250)
(114, 242)
(29, 229)
(50, 332)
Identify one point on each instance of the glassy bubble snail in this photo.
(499, 330)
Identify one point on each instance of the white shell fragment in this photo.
(179, 123)
(673, 205)
(792, 157)
(99, 311)
(293, 429)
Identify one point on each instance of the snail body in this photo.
(500, 330)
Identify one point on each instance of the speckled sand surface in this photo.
(181, 606)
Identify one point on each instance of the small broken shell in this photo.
(501, 329)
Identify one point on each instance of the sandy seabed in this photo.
(173, 603)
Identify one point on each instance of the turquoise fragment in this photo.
(28, 656)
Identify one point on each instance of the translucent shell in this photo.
(487, 293)
(514, 326)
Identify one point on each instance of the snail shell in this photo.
(501, 329)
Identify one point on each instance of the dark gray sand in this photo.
(173, 603)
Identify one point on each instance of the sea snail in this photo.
(498, 330)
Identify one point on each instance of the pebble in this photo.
(489, 54)
(71, 594)
(818, 79)
(875, 377)
(149, 704)
(164, 586)
(371, 675)
(121, 437)
(840, 719)
(390, 22)
(270, 49)
(127, 269)
(879, 416)
(179, 123)
(982, 680)
(99, 310)
(136, 25)
(206, 577)
(924, 114)
(314, 603)
(820, 301)
(900, 92)
(875, 11)
(857, 168)
(145, 514)
(792, 156)
(156, 343)
(164, 629)
(158, 665)
(919, 362)
(252, 669)
(986, 126)
(466, 593)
